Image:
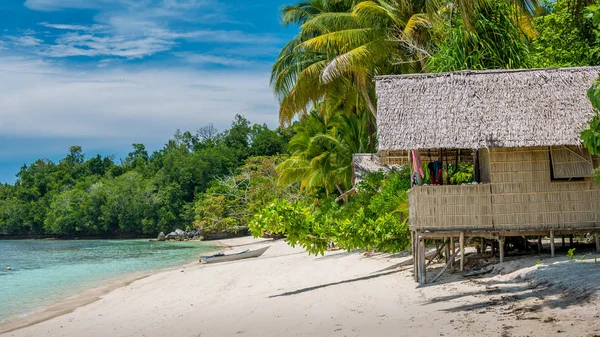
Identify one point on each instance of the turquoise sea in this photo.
(46, 271)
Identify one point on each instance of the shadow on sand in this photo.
(358, 279)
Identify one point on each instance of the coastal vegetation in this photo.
(288, 181)
(143, 193)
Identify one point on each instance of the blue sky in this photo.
(104, 74)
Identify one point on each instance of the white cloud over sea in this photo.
(44, 99)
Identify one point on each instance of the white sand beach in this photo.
(286, 292)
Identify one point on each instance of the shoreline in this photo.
(70, 304)
(287, 292)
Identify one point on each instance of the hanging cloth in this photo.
(417, 165)
(437, 169)
(432, 173)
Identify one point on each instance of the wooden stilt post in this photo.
(563, 241)
(482, 245)
(415, 240)
(539, 243)
(493, 247)
(552, 243)
(453, 249)
(462, 251)
(570, 240)
(501, 247)
(447, 251)
(597, 243)
(422, 275)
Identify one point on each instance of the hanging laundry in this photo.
(432, 173)
(439, 176)
(415, 179)
(417, 165)
(436, 167)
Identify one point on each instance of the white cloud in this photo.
(71, 27)
(52, 5)
(134, 29)
(25, 40)
(215, 59)
(76, 44)
(40, 99)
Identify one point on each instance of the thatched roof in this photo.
(363, 163)
(479, 109)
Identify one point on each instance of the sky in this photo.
(105, 74)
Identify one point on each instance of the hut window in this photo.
(567, 162)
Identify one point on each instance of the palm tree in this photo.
(322, 150)
(340, 49)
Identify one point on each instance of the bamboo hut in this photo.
(519, 128)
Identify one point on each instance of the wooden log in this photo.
(462, 251)
(422, 275)
(445, 267)
(552, 243)
(539, 241)
(501, 246)
(452, 248)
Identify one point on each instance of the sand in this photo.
(286, 292)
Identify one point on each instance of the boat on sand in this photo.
(233, 257)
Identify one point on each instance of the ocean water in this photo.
(46, 271)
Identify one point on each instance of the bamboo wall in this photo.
(524, 196)
(521, 196)
(450, 207)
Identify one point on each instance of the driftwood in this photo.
(446, 266)
(481, 271)
(428, 255)
(437, 252)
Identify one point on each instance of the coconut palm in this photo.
(322, 150)
(338, 53)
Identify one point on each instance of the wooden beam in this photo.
(447, 250)
(422, 275)
(570, 240)
(495, 234)
(539, 242)
(462, 251)
(445, 267)
(415, 240)
(552, 243)
(501, 246)
(452, 248)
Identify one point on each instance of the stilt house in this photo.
(521, 131)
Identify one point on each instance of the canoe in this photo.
(233, 257)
